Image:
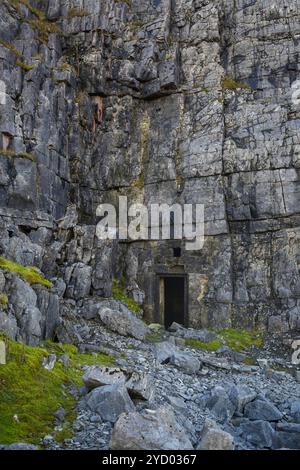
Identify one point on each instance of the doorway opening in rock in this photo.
(173, 299)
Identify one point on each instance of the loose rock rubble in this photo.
(151, 401)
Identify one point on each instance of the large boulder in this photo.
(240, 395)
(110, 401)
(262, 409)
(295, 411)
(221, 405)
(287, 436)
(123, 321)
(97, 376)
(152, 430)
(214, 438)
(259, 433)
(185, 362)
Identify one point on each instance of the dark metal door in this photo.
(174, 301)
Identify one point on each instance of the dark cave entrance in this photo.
(173, 299)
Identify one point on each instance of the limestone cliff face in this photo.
(189, 101)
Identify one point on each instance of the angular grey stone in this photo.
(110, 401)
(240, 395)
(286, 440)
(49, 362)
(21, 446)
(150, 430)
(260, 433)
(221, 405)
(2, 352)
(295, 411)
(96, 376)
(214, 438)
(262, 410)
(123, 322)
(185, 362)
(8, 324)
(140, 385)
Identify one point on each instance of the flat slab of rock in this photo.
(110, 401)
(262, 409)
(259, 433)
(214, 438)
(185, 362)
(152, 430)
(123, 322)
(97, 376)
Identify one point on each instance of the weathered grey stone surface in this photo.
(123, 322)
(110, 401)
(214, 438)
(96, 376)
(188, 102)
(260, 433)
(152, 430)
(262, 409)
(186, 362)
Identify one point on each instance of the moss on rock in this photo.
(30, 394)
(30, 274)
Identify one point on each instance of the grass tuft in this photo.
(229, 83)
(3, 300)
(30, 394)
(236, 340)
(119, 293)
(30, 274)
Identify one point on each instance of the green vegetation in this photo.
(119, 293)
(30, 394)
(13, 154)
(229, 83)
(11, 47)
(156, 334)
(128, 2)
(17, 53)
(3, 300)
(30, 274)
(77, 12)
(237, 340)
(24, 66)
(44, 28)
(210, 346)
(39, 21)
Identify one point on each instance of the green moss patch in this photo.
(3, 300)
(30, 274)
(210, 346)
(119, 293)
(237, 340)
(23, 66)
(229, 83)
(13, 154)
(77, 12)
(30, 394)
